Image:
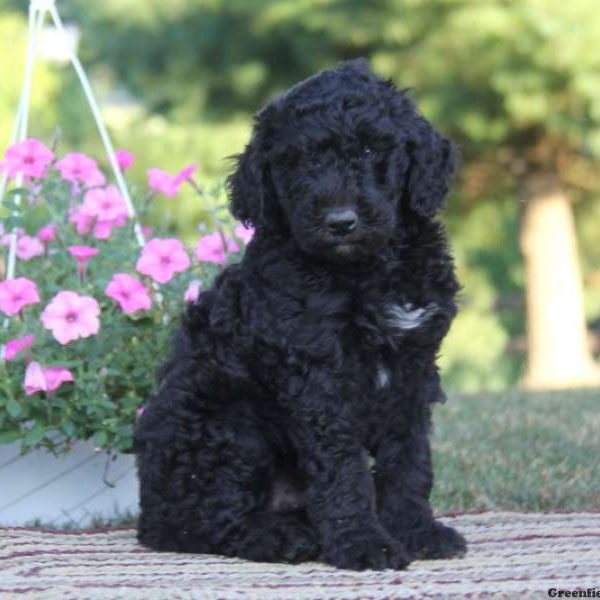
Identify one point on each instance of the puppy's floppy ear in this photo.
(252, 197)
(432, 163)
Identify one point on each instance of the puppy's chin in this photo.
(348, 253)
(341, 253)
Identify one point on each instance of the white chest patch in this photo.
(382, 378)
(405, 317)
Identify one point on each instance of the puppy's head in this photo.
(337, 161)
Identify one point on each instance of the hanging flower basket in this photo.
(88, 295)
(88, 310)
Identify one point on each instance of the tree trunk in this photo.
(558, 349)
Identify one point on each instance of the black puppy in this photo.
(293, 415)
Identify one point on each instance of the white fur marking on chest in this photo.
(382, 378)
(405, 317)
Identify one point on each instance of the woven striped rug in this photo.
(511, 555)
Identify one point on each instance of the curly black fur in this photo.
(293, 415)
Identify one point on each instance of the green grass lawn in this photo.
(517, 451)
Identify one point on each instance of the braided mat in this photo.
(511, 555)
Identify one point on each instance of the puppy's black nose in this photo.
(341, 221)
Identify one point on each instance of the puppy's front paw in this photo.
(370, 548)
(439, 541)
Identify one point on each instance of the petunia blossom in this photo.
(83, 223)
(186, 173)
(47, 233)
(129, 292)
(13, 347)
(79, 168)
(167, 184)
(214, 248)
(45, 379)
(28, 247)
(101, 210)
(161, 181)
(30, 157)
(105, 204)
(162, 258)
(193, 291)
(17, 293)
(243, 233)
(70, 316)
(124, 159)
(82, 254)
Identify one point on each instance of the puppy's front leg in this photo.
(404, 478)
(340, 488)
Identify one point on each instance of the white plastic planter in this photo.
(77, 489)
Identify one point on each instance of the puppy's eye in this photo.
(366, 150)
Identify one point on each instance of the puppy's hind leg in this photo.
(237, 504)
(206, 490)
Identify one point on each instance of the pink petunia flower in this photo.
(47, 233)
(28, 247)
(140, 411)
(186, 173)
(162, 258)
(83, 223)
(13, 347)
(79, 168)
(167, 184)
(129, 292)
(17, 293)
(29, 157)
(103, 229)
(70, 316)
(102, 210)
(211, 248)
(105, 205)
(124, 158)
(82, 254)
(161, 181)
(243, 233)
(45, 379)
(193, 291)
